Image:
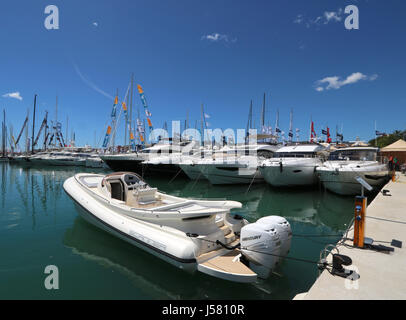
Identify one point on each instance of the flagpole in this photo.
(376, 140)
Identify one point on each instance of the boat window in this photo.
(294, 154)
(363, 155)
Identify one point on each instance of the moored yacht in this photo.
(293, 165)
(339, 173)
(134, 161)
(194, 235)
(235, 165)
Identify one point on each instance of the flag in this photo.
(312, 133)
(278, 130)
(290, 134)
(207, 116)
(377, 133)
(107, 136)
(323, 131)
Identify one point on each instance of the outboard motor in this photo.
(261, 246)
(283, 227)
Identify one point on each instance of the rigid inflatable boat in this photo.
(194, 235)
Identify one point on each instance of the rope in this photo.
(180, 170)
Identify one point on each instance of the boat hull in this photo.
(230, 174)
(192, 171)
(124, 165)
(285, 174)
(170, 248)
(343, 181)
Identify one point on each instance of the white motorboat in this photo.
(138, 161)
(94, 161)
(191, 234)
(292, 166)
(20, 159)
(339, 173)
(235, 165)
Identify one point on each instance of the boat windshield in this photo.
(363, 155)
(294, 155)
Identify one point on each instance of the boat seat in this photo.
(141, 196)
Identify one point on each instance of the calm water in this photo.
(39, 226)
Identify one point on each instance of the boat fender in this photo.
(281, 166)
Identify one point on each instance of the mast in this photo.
(263, 115)
(67, 131)
(131, 102)
(202, 137)
(33, 124)
(126, 123)
(27, 142)
(290, 126)
(3, 133)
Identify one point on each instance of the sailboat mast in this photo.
(131, 103)
(33, 125)
(3, 133)
(202, 132)
(263, 115)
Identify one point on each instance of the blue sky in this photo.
(220, 53)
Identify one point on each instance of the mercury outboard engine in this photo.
(261, 246)
(283, 227)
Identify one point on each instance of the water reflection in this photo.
(150, 275)
(32, 192)
(33, 202)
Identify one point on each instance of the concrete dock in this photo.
(382, 275)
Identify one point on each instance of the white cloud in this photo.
(336, 83)
(14, 95)
(90, 83)
(95, 24)
(299, 19)
(325, 18)
(216, 37)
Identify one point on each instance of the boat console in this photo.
(130, 188)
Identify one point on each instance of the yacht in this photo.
(94, 161)
(193, 235)
(134, 161)
(168, 163)
(293, 165)
(235, 165)
(344, 165)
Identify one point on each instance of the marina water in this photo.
(39, 226)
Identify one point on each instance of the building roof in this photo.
(399, 145)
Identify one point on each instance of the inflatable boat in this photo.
(194, 235)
